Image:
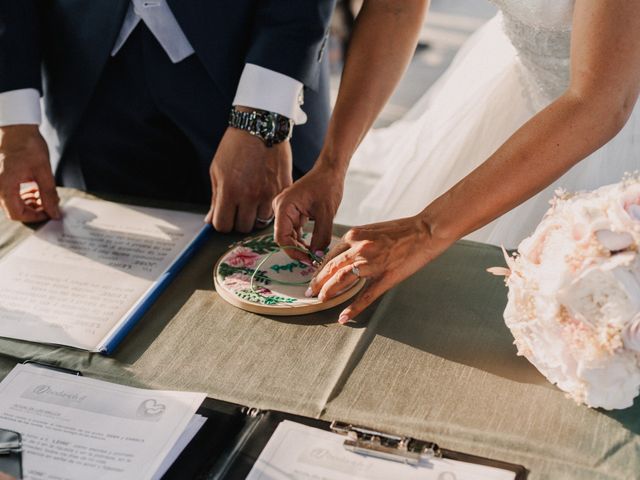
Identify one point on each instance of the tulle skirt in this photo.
(480, 101)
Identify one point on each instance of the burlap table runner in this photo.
(432, 359)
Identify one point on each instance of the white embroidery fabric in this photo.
(510, 69)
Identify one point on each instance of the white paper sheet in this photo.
(74, 280)
(81, 428)
(194, 426)
(300, 452)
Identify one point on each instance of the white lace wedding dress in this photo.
(510, 69)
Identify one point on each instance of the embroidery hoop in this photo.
(301, 304)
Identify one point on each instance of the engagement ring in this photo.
(265, 221)
(355, 270)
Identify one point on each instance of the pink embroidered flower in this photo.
(240, 281)
(243, 257)
(237, 281)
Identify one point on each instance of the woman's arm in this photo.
(604, 86)
(382, 45)
(605, 81)
(383, 42)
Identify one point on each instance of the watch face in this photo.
(271, 127)
(266, 126)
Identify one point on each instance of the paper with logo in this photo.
(80, 428)
(82, 281)
(300, 452)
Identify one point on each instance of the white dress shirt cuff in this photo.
(265, 89)
(20, 107)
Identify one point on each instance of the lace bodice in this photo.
(540, 31)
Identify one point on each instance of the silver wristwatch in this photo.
(270, 127)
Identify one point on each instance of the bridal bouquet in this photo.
(574, 295)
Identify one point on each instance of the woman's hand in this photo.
(373, 68)
(383, 253)
(315, 196)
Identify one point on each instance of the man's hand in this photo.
(24, 158)
(315, 196)
(246, 175)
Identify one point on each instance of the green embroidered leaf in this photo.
(262, 245)
(225, 270)
(255, 297)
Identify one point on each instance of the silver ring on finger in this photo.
(265, 221)
(355, 270)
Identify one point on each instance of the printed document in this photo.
(81, 428)
(76, 281)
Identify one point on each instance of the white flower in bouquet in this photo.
(574, 295)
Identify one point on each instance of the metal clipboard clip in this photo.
(11, 444)
(383, 445)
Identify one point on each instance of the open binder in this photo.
(87, 280)
(233, 437)
(136, 313)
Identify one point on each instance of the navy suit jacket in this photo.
(60, 47)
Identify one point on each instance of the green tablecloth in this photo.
(433, 360)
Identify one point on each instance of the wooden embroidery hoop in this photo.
(282, 309)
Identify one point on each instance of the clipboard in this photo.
(238, 461)
(11, 453)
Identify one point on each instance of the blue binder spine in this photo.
(109, 345)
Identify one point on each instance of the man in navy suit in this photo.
(184, 100)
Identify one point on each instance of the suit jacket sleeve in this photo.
(289, 36)
(20, 55)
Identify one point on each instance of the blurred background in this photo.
(449, 23)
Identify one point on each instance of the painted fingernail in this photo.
(308, 293)
(343, 318)
(319, 253)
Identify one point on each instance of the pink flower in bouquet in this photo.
(574, 295)
(243, 257)
(631, 335)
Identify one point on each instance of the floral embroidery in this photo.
(240, 271)
(263, 296)
(243, 257)
(237, 281)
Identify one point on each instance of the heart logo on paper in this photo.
(151, 409)
(447, 476)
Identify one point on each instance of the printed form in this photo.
(74, 281)
(79, 428)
